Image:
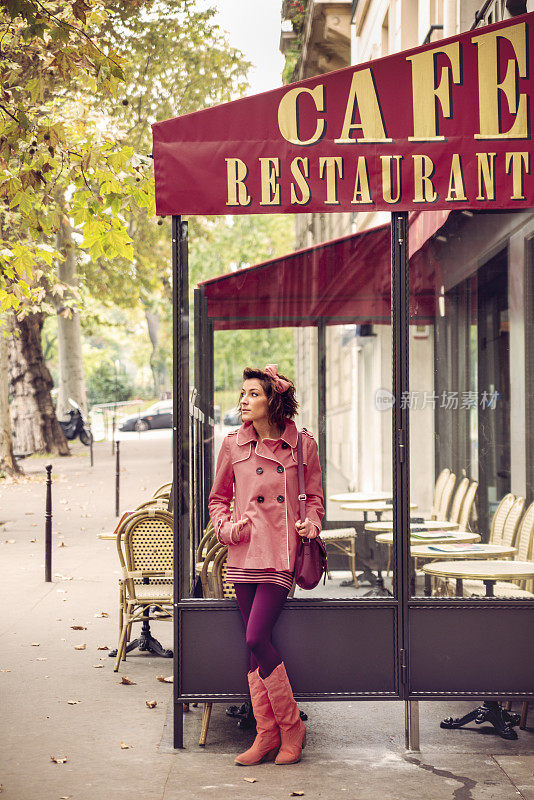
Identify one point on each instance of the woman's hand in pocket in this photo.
(240, 531)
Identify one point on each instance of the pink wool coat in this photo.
(261, 477)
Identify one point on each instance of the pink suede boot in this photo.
(267, 741)
(287, 715)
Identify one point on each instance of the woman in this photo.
(257, 468)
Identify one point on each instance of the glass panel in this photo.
(323, 315)
(359, 475)
(469, 413)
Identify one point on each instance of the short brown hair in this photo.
(281, 406)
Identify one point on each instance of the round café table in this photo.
(384, 535)
(487, 571)
(436, 551)
(431, 526)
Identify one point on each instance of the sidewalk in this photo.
(355, 750)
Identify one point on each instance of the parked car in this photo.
(232, 417)
(158, 415)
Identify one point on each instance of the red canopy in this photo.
(346, 280)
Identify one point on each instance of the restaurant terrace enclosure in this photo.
(452, 130)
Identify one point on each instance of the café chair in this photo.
(165, 489)
(145, 547)
(457, 500)
(206, 572)
(154, 502)
(445, 499)
(499, 518)
(344, 540)
(467, 507)
(439, 486)
(517, 533)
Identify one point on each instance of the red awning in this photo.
(346, 280)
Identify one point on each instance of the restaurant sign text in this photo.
(447, 126)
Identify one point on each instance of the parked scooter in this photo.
(77, 424)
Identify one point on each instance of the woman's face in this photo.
(253, 401)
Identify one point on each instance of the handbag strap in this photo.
(302, 487)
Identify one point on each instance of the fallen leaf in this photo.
(35, 644)
(151, 703)
(65, 797)
(98, 666)
(296, 794)
(64, 501)
(163, 679)
(127, 682)
(250, 780)
(125, 746)
(58, 759)
(78, 627)
(62, 544)
(103, 647)
(102, 614)
(10, 541)
(41, 659)
(5, 670)
(33, 540)
(73, 702)
(80, 646)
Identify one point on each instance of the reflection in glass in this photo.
(469, 419)
(322, 314)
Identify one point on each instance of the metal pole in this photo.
(113, 432)
(48, 525)
(117, 479)
(401, 459)
(411, 726)
(321, 402)
(91, 453)
(180, 302)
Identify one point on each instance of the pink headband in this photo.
(280, 384)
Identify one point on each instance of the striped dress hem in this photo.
(239, 575)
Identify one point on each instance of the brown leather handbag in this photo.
(311, 560)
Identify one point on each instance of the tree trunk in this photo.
(8, 464)
(69, 334)
(34, 420)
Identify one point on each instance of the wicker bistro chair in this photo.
(499, 518)
(145, 548)
(457, 500)
(514, 535)
(438, 491)
(154, 502)
(344, 540)
(445, 499)
(467, 507)
(165, 489)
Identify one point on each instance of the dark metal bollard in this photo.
(48, 525)
(91, 450)
(117, 478)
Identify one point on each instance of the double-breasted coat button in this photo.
(259, 470)
(279, 468)
(285, 446)
(260, 498)
(280, 498)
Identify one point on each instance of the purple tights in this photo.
(260, 605)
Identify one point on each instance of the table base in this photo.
(146, 644)
(491, 711)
